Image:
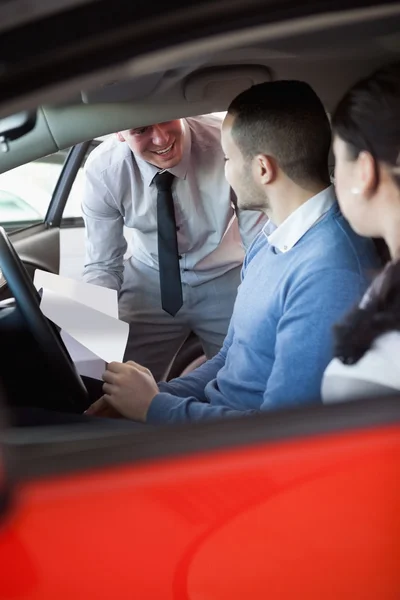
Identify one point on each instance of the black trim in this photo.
(62, 46)
(59, 450)
(17, 226)
(72, 223)
(65, 182)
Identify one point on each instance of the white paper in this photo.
(86, 362)
(103, 335)
(94, 296)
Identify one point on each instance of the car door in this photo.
(33, 199)
(40, 208)
(297, 504)
(66, 212)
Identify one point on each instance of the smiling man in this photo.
(166, 182)
(299, 276)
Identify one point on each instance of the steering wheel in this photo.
(28, 302)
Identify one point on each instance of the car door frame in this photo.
(38, 245)
(62, 190)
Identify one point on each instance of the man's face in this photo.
(160, 144)
(239, 172)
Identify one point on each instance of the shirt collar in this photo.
(180, 170)
(300, 221)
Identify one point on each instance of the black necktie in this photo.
(168, 257)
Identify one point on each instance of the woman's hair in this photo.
(355, 335)
(368, 118)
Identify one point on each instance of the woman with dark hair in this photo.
(366, 127)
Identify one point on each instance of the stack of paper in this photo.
(88, 317)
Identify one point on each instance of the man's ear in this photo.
(265, 169)
(366, 174)
(120, 137)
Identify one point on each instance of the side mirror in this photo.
(15, 126)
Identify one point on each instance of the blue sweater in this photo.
(279, 339)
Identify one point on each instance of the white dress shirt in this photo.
(300, 221)
(119, 190)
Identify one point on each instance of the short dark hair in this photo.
(368, 117)
(287, 120)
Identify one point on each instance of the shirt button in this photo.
(180, 256)
(284, 248)
(177, 228)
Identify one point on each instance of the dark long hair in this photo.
(368, 119)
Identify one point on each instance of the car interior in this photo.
(328, 53)
(221, 509)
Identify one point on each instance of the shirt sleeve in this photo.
(105, 241)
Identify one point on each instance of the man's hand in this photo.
(129, 389)
(101, 408)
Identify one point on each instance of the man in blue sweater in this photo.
(302, 272)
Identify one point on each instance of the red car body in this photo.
(308, 516)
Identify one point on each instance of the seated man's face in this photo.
(239, 172)
(160, 144)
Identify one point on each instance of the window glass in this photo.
(72, 208)
(26, 191)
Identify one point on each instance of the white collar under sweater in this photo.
(300, 221)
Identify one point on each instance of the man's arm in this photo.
(131, 390)
(105, 241)
(304, 342)
(193, 384)
(184, 399)
(303, 349)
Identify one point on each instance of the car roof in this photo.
(330, 50)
